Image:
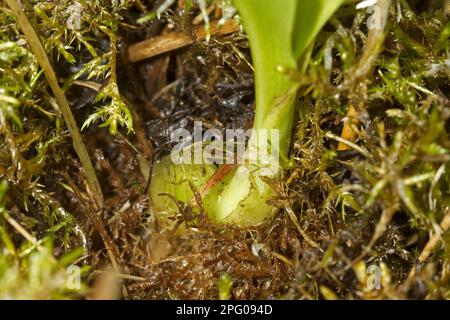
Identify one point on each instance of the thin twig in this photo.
(200, 18)
(380, 229)
(42, 58)
(96, 221)
(23, 232)
(175, 40)
(374, 45)
(88, 84)
(121, 275)
(283, 259)
(431, 244)
(353, 145)
(146, 145)
(365, 65)
(293, 217)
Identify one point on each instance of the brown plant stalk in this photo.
(42, 58)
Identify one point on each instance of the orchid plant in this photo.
(279, 34)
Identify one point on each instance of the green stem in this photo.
(242, 198)
(270, 50)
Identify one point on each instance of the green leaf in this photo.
(148, 17)
(311, 17)
(279, 32)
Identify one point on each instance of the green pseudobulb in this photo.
(240, 199)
